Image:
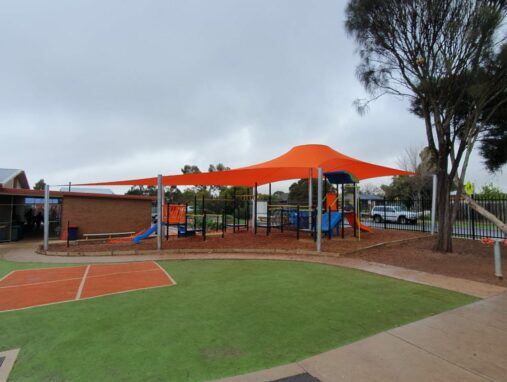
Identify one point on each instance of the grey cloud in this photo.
(94, 90)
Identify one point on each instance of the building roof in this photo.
(294, 164)
(87, 190)
(365, 196)
(61, 194)
(10, 174)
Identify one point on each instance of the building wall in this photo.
(104, 215)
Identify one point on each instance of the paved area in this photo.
(465, 344)
(7, 359)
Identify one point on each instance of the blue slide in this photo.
(336, 218)
(145, 234)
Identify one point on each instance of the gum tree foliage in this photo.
(298, 191)
(442, 55)
(142, 190)
(39, 185)
(491, 191)
(412, 188)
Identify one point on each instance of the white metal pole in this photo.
(319, 208)
(433, 204)
(160, 194)
(310, 198)
(358, 211)
(46, 217)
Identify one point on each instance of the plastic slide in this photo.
(145, 234)
(336, 218)
(362, 227)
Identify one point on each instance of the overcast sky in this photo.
(108, 90)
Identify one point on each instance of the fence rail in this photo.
(415, 215)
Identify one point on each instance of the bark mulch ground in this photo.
(246, 240)
(470, 260)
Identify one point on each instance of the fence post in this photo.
(297, 222)
(223, 223)
(204, 225)
(472, 218)
(423, 220)
(281, 219)
(385, 214)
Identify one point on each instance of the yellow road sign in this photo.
(469, 188)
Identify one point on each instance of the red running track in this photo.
(35, 287)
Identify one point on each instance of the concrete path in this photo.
(465, 344)
(26, 253)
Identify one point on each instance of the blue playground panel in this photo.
(304, 217)
(336, 218)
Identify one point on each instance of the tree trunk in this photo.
(444, 235)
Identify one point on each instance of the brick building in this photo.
(21, 210)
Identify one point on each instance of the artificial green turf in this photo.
(222, 318)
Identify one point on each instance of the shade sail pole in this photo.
(46, 217)
(310, 198)
(255, 209)
(358, 204)
(319, 208)
(159, 212)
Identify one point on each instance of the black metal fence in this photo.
(416, 216)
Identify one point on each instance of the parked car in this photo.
(395, 214)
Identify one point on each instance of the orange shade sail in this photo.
(295, 164)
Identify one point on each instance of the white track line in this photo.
(81, 286)
(78, 296)
(39, 283)
(83, 299)
(7, 275)
(167, 274)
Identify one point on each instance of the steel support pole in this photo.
(319, 208)
(498, 260)
(255, 209)
(159, 211)
(358, 204)
(433, 205)
(46, 217)
(310, 198)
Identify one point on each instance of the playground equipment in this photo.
(331, 221)
(350, 219)
(145, 234)
(496, 253)
(301, 162)
(208, 217)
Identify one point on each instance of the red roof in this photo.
(65, 194)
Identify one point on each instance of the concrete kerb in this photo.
(183, 251)
(171, 251)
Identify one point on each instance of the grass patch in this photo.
(223, 318)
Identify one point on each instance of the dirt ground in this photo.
(471, 259)
(247, 240)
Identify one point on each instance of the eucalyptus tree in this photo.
(444, 56)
